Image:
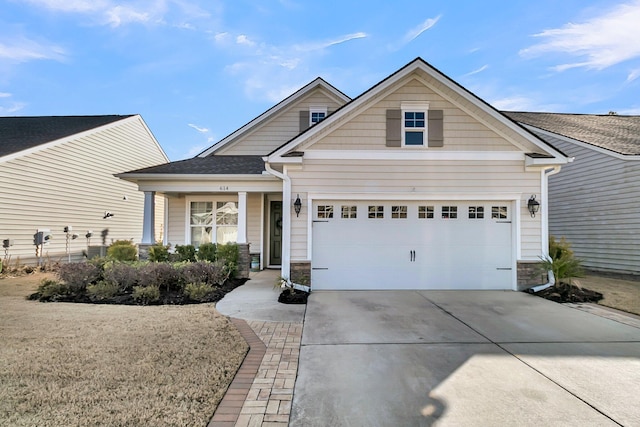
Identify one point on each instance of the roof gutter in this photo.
(286, 217)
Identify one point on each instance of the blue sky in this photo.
(196, 70)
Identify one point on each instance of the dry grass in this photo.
(621, 294)
(65, 364)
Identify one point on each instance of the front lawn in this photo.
(65, 364)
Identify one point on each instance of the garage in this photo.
(412, 245)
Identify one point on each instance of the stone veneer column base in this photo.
(301, 272)
(244, 261)
(530, 274)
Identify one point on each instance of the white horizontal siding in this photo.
(73, 184)
(176, 221)
(254, 221)
(280, 129)
(595, 203)
(414, 177)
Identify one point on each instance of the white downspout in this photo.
(286, 219)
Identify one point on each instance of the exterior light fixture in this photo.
(533, 205)
(107, 214)
(297, 205)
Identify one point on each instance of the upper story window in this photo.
(414, 124)
(317, 114)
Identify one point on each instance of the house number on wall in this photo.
(224, 188)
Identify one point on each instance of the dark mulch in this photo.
(166, 298)
(565, 292)
(293, 296)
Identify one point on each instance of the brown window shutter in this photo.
(394, 128)
(304, 120)
(435, 129)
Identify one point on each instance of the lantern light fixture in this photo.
(297, 205)
(533, 205)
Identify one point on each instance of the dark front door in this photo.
(275, 233)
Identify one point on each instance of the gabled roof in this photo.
(416, 64)
(23, 133)
(273, 111)
(620, 134)
(211, 165)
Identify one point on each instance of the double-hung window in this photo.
(317, 114)
(213, 221)
(414, 124)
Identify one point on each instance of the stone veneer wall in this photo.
(244, 261)
(301, 272)
(530, 274)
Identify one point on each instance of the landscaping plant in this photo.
(207, 252)
(159, 253)
(122, 250)
(186, 253)
(562, 262)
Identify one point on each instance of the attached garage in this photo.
(412, 245)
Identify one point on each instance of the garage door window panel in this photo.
(325, 211)
(425, 212)
(449, 212)
(376, 211)
(398, 212)
(476, 212)
(499, 212)
(349, 212)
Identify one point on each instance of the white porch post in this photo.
(242, 217)
(149, 218)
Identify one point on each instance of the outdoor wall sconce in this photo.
(533, 205)
(297, 205)
(107, 214)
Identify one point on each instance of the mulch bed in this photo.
(166, 298)
(565, 292)
(293, 296)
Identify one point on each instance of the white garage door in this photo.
(412, 245)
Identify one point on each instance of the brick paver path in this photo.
(268, 388)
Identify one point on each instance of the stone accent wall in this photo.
(301, 272)
(244, 261)
(530, 274)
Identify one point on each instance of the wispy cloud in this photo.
(5, 95)
(22, 49)
(415, 32)
(600, 42)
(319, 45)
(479, 70)
(12, 108)
(198, 128)
(514, 103)
(634, 74)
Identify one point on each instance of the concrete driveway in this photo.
(462, 358)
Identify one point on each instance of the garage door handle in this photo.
(412, 256)
(503, 268)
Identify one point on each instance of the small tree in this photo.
(562, 262)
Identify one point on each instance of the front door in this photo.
(275, 233)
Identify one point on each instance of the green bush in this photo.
(198, 291)
(102, 290)
(562, 262)
(50, 290)
(207, 252)
(78, 275)
(186, 253)
(122, 250)
(229, 254)
(146, 294)
(159, 253)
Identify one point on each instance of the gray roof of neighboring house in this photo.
(22, 133)
(620, 134)
(211, 165)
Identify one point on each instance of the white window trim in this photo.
(412, 107)
(214, 200)
(316, 109)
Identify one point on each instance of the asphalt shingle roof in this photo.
(21, 133)
(211, 165)
(620, 134)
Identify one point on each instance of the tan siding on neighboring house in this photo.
(72, 183)
(366, 131)
(280, 129)
(595, 203)
(430, 178)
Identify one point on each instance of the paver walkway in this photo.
(262, 390)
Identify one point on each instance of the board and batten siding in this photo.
(431, 178)
(279, 129)
(595, 203)
(178, 220)
(72, 184)
(367, 130)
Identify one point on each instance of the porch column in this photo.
(242, 217)
(149, 218)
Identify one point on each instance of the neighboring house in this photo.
(416, 183)
(58, 172)
(595, 201)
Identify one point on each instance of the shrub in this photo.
(102, 290)
(159, 253)
(186, 253)
(124, 275)
(122, 250)
(561, 261)
(50, 290)
(210, 273)
(207, 252)
(161, 275)
(146, 294)
(78, 275)
(229, 254)
(198, 291)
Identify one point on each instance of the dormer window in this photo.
(317, 114)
